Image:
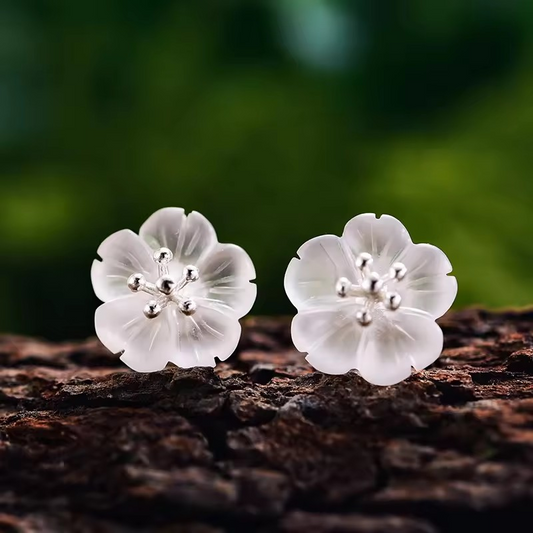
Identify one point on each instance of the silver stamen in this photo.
(166, 289)
(372, 288)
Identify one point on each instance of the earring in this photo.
(368, 300)
(171, 293)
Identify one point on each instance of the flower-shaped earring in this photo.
(369, 300)
(171, 293)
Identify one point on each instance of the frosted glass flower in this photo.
(369, 300)
(171, 293)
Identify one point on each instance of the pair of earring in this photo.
(366, 301)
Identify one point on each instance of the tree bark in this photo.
(264, 443)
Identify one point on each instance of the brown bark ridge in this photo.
(264, 443)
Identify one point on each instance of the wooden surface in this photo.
(263, 443)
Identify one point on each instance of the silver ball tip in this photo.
(152, 309)
(364, 318)
(187, 307)
(136, 282)
(166, 284)
(373, 283)
(398, 271)
(393, 301)
(191, 273)
(364, 260)
(342, 287)
(163, 256)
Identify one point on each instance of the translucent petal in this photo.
(121, 325)
(123, 253)
(398, 341)
(189, 237)
(312, 278)
(330, 335)
(164, 228)
(225, 276)
(148, 345)
(426, 285)
(384, 238)
(209, 333)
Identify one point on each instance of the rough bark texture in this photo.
(263, 443)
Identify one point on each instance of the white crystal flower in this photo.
(369, 300)
(171, 293)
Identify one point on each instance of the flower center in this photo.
(373, 288)
(166, 289)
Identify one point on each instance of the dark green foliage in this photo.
(278, 120)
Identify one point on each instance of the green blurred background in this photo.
(279, 120)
